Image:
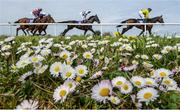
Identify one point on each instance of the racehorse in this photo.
(91, 19)
(142, 27)
(40, 28)
(31, 28)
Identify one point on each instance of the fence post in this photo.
(145, 30)
(101, 31)
(55, 29)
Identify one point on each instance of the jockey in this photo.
(144, 14)
(37, 12)
(84, 15)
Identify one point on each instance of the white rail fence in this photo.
(85, 24)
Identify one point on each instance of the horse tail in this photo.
(16, 21)
(63, 22)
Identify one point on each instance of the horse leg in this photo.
(24, 32)
(141, 33)
(126, 29)
(66, 30)
(85, 32)
(17, 30)
(44, 32)
(35, 30)
(92, 31)
(150, 33)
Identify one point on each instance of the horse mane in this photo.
(154, 18)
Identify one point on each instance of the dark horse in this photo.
(31, 28)
(91, 19)
(40, 28)
(142, 27)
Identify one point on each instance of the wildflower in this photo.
(160, 73)
(102, 91)
(60, 93)
(81, 70)
(88, 55)
(56, 68)
(115, 100)
(118, 81)
(126, 88)
(138, 81)
(27, 105)
(68, 72)
(147, 94)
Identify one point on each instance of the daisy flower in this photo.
(56, 68)
(102, 91)
(36, 58)
(65, 54)
(24, 76)
(118, 81)
(138, 81)
(96, 75)
(115, 100)
(126, 88)
(27, 105)
(81, 70)
(150, 82)
(71, 84)
(60, 93)
(87, 55)
(147, 94)
(161, 73)
(45, 52)
(168, 82)
(68, 72)
(41, 69)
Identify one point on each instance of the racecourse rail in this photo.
(92, 24)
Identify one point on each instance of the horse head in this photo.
(94, 18)
(50, 19)
(160, 19)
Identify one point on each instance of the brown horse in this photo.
(91, 19)
(23, 27)
(40, 28)
(34, 28)
(142, 27)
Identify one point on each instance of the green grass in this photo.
(41, 87)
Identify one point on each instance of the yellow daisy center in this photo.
(162, 74)
(168, 82)
(57, 69)
(68, 74)
(34, 59)
(24, 109)
(88, 56)
(147, 95)
(125, 87)
(104, 92)
(62, 93)
(81, 71)
(65, 56)
(138, 83)
(113, 100)
(149, 82)
(70, 85)
(119, 83)
(78, 79)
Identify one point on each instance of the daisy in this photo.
(27, 105)
(81, 70)
(115, 100)
(71, 84)
(161, 73)
(96, 75)
(147, 94)
(56, 68)
(157, 56)
(87, 55)
(68, 72)
(65, 54)
(138, 81)
(118, 81)
(168, 82)
(45, 52)
(102, 91)
(150, 82)
(41, 69)
(126, 88)
(60, 93)
(24, 76)
(36, 58)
